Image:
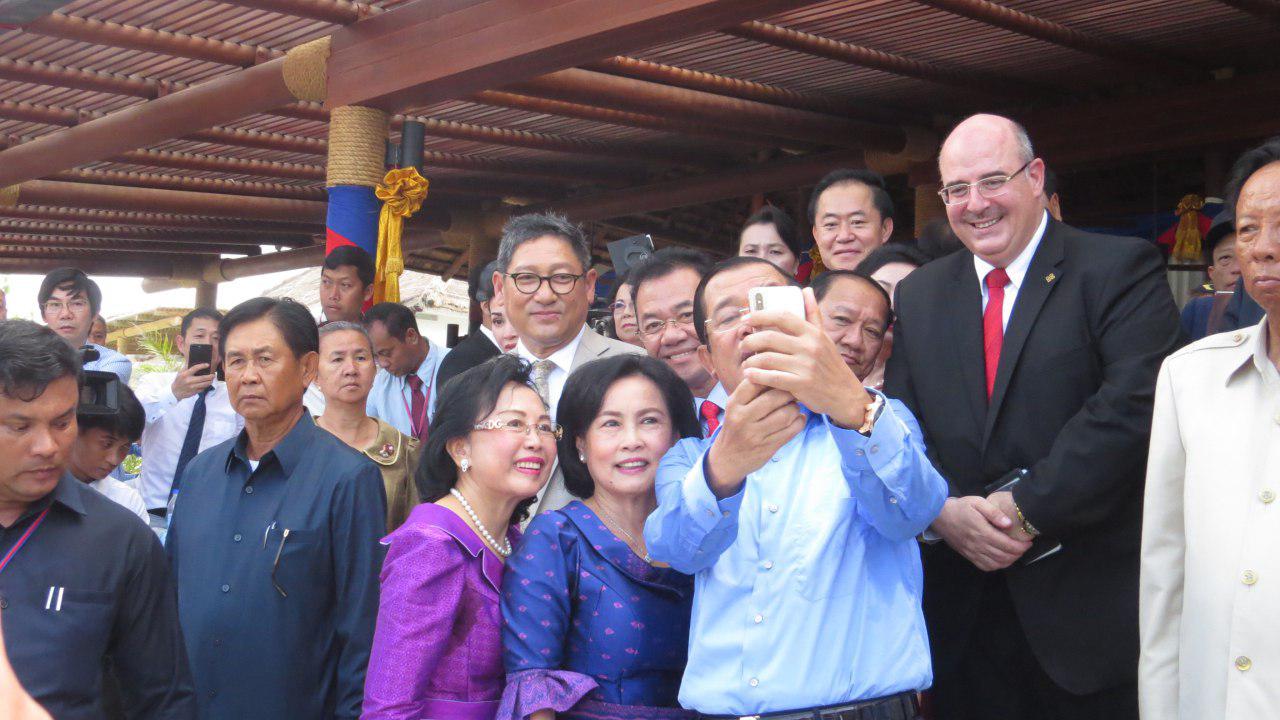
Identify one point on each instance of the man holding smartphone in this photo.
(797, 517)
(193, 413)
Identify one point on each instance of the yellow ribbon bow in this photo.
(401, 192)
(1186, 247)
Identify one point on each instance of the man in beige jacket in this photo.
(1210, 583)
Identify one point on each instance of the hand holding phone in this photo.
(200, 354)
(790, 352)
(197, 375)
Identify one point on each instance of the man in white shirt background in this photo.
(185, 415)
(406, 388)
(545, 281)
(69, 301)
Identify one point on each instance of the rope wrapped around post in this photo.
(357, 148)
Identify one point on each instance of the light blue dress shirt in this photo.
(390, 398)
(808, 580)
(111, 361)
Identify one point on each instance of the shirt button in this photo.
(1249, 577)
(226, 588)
(875, 449)
(236, 537)
(753, 682)
(859, 453)
(1243, 663)
(4, 603)
(759, 619)
(768, 564)
(248, 489)
(893, 501)
(217, 642)
(1266, 496)
(773, 459)
(773, 508)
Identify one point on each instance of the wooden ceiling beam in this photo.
(164, 222)
(114, 265)
(748, 90)
(1123, 52)
(131, 37)
(586, 86)
(197, 184)
(338, 12)
(10, 239)
(700, 189)
(894, 64)
(472, 49)
(725, 138)
(112, 197)
(177, 235)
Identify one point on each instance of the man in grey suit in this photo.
(545, 280)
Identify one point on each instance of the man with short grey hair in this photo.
(545, 281)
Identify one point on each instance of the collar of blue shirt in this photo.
(288, 452)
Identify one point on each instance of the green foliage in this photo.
(164, 351)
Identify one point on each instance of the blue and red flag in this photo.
(352, 218)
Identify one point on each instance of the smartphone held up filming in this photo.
(784, 298)
(200, 353)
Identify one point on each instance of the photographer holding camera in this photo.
(81, 580)
(69, 302)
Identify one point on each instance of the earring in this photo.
(465, 465)
(582, 458)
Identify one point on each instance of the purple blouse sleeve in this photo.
(536, 611)
(529, 691)
(422, 582)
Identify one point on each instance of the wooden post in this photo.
(206, 295)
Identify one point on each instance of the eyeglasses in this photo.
(545, 429)
(654, 327)
(618, 305)
(530, 283)
(727, 320)
(988, 187)
(76, 306)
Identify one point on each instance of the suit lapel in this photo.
(588, 349)
(1042, 276)
(965, 295)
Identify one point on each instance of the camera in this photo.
(99, 391)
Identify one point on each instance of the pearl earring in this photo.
(465, 465)
(582, 458)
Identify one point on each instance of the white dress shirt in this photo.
(391, 398)
(1017, 271)
(562, 360)
(1210, 575)
(123, 495)
(167, 421)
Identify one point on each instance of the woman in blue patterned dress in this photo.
(592, 629)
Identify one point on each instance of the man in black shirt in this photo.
(82, 580)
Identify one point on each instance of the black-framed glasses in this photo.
(530, 283)
(988, 187)
(275, 564)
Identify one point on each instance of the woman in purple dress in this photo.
(593, 628)
(437, 649)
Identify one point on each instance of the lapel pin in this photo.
(1050, 277)
(386, 450)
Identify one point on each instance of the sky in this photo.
(122, 296)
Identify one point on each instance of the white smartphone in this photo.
(784, 298)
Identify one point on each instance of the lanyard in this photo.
(23, 540)
(416, 424)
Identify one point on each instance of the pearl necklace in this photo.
(503, 550)
(608, 516)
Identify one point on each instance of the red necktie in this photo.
(711, 413)
(993, 324)
(418, 409)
